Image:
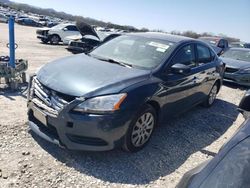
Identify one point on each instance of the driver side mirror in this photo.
(180, 69)
(65, 29)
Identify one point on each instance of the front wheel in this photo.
(212, 96)
(55, 39)
(140, 129)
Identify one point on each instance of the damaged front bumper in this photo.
(76, 131)
(241, 79)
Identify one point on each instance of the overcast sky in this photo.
(230, 17)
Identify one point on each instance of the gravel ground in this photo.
(176, 147)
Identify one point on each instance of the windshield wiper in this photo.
(115, 62)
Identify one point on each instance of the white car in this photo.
(3, 18)
(58, 33)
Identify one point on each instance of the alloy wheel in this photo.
(142, 129)
(55, 39)
(213, 94)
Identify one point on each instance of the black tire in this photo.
(212, 96)
(131, 144)
(55, 39)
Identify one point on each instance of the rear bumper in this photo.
(241, 79)
(81, 132)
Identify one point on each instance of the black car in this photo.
(237, 62)
(89, 42)
(115, 95)
(231, 166)
(217, 43)
(28, 22)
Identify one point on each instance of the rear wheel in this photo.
(140, 130)
(55, 39)
(212, 96)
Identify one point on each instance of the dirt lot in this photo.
(176, 147)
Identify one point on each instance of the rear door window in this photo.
(204, 55)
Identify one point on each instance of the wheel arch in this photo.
(156, 106)
(219, 84)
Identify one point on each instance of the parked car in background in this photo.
(43, 21)
(239, 45)
(219, 44)
(52, 24)
(231, 166)
(114, 96)
(89, 42)
(29, 22)
(247, 45)
(3, 18)
(237, 62)
(58, 33)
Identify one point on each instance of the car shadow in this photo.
(7, 92)
(171, 145)
(49, 44)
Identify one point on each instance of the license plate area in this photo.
(40, 116)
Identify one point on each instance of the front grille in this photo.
(47, 99)
(231, 70)
(77, 44)
(42, 32)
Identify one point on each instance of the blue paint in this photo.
(12, 42)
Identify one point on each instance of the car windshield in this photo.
(133, 50)
(237, 54)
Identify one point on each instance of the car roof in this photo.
(163, 36)
(218, 38)
(66, 24)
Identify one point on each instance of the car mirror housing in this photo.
(180, 69)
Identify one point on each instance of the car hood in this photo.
(44, 29)
(86, 29)
(235, 63)
(81, 75)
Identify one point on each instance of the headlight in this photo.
(245, 71)
(103, 104)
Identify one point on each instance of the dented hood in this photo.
(81, 75)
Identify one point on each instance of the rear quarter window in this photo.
(204, 55)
